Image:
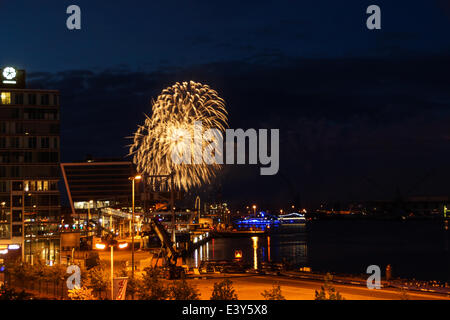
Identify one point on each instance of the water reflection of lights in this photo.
(255, 252)
(268, 249)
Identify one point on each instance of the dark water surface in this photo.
(414, 249)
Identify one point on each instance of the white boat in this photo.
(292, 218)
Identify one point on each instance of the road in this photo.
(251, 287)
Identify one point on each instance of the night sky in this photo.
(361, 113)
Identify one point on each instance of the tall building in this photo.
(29, 169)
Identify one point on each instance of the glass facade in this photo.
(29, 171)
(98, 185)
(101, 181)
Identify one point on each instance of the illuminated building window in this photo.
(6, 97)
(5, 231)
(39, 185)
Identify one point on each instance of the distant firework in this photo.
(177, 108)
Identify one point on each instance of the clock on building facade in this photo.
(11, 77)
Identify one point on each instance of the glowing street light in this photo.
(133, 179)
(111, 244)
(88, 224)
(123, 245)
(100, 246)
(254, 209)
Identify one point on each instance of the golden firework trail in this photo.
(178, 108)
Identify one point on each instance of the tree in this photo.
(150, 288)
(132, 283)
(96, 278)
(181, 290)
(21, 271)
(11, 294)
(224, 291)
(39, 270)
(274, 294)
(82, 293)
(57, 272)
(327, 291)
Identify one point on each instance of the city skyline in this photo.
(240, 150)
(331, 86)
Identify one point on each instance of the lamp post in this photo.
(111, 244)
(198, 207)
(133, 179)
(112, 273)
(254, 210)
(172, 208)
(89, 217)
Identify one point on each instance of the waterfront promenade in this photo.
(294, 285)
(250, 287)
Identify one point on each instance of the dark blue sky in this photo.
(361, 113)
(149, 35)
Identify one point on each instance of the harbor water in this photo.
(415, 249)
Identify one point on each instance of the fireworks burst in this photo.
(176, 110)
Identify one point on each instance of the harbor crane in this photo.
(172, 269)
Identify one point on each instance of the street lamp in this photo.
(111, 244)
(89, 216)
(254, 210)
(133, 179)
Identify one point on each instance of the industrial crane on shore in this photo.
(172, 257)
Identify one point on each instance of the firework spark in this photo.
(176, 110)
